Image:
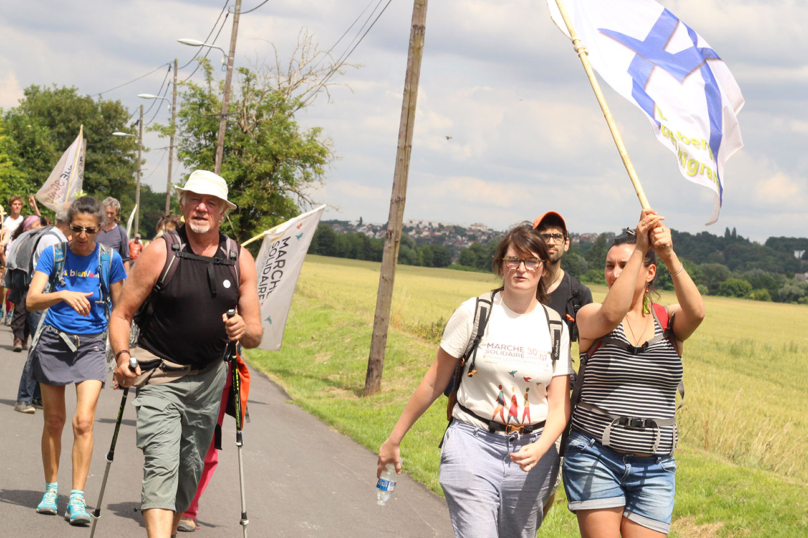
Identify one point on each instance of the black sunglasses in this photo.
(79, 229)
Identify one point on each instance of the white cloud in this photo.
(10, 91)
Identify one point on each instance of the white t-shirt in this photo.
(514, 364)
(9, 227)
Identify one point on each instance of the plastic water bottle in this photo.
(386, 484)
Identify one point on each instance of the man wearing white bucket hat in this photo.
(178, 294)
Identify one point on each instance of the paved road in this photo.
(303, 479)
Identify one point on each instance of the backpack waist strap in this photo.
(631, 423)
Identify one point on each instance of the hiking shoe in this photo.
(24, 407)
(37, 402)
(76, 513)
(187, 525)
(17, 345)
(49, 502)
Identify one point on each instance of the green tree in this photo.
(270, 162)
(441, 257)
(47, 121)
(735, 287)
(12, 180)
(712, 275)
(596, 255)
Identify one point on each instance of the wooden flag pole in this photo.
(580, 49)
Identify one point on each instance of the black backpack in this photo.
(175, 252)
(20, 265)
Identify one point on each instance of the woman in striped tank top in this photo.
(619, 470)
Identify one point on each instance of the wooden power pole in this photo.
(392, 238)
(139, 172)
(226, 97)
(171, 139)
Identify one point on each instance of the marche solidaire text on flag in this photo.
(278, 266)
(671, 73)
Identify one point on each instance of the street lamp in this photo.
(150, 96)
(197, 43)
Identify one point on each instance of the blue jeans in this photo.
(29, 387)
(489, 495)
(597, 477)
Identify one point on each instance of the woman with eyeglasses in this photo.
(619, 470)
(497, 470)
(69, 346)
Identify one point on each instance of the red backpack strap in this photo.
(660, 313)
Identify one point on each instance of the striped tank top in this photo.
(642, 386)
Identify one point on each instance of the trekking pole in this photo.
(236, 387)
(111, 453)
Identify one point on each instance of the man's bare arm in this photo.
(136, 289)
(248, 307)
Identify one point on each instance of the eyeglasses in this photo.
(79, 229)
(531, 264)
(556, 237)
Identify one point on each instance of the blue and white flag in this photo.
(671, 73)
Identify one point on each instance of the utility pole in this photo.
(228, 78)
(137, 185)
(392, 239)
(171, 139)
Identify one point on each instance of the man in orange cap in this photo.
(567, 294)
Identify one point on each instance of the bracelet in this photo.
(118, 354)
(682, 268)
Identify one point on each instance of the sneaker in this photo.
(8, 318)
(24, 407)
(76, 513)
(187, 525)
(37, 402)
(17, 345)
(49, 502)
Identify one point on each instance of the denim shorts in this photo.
(597, 477)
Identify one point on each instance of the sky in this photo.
(527, 135)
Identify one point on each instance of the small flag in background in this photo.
(657, 62)
(278, 266)
(67, 178)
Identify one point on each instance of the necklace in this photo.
(645, 328)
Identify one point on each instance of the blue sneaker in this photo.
(49, 502)
(76, 513)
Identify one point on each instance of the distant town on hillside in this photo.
(726, 265)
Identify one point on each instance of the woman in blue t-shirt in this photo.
(70, 349)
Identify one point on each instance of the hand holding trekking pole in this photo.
(234, 325)
(125, 374)
(133, 367)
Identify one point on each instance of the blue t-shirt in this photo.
(81, 274)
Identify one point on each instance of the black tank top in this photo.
(187, 326)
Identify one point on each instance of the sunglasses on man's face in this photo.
(555, 237)
(78, 229)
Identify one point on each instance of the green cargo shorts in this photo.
(175, 426)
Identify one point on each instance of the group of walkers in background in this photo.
(613, 439)
(72, 301)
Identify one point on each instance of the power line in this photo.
(209, 34)
(158, 93)
(224, 22)
(328, 52)
(253, 9)
(341, 61)
(133, 80)
(158, 101)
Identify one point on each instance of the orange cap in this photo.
(538, 221)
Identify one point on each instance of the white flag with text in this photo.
(671, 73)
(67, 178)
(278, 266)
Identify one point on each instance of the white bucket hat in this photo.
(205, 182)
